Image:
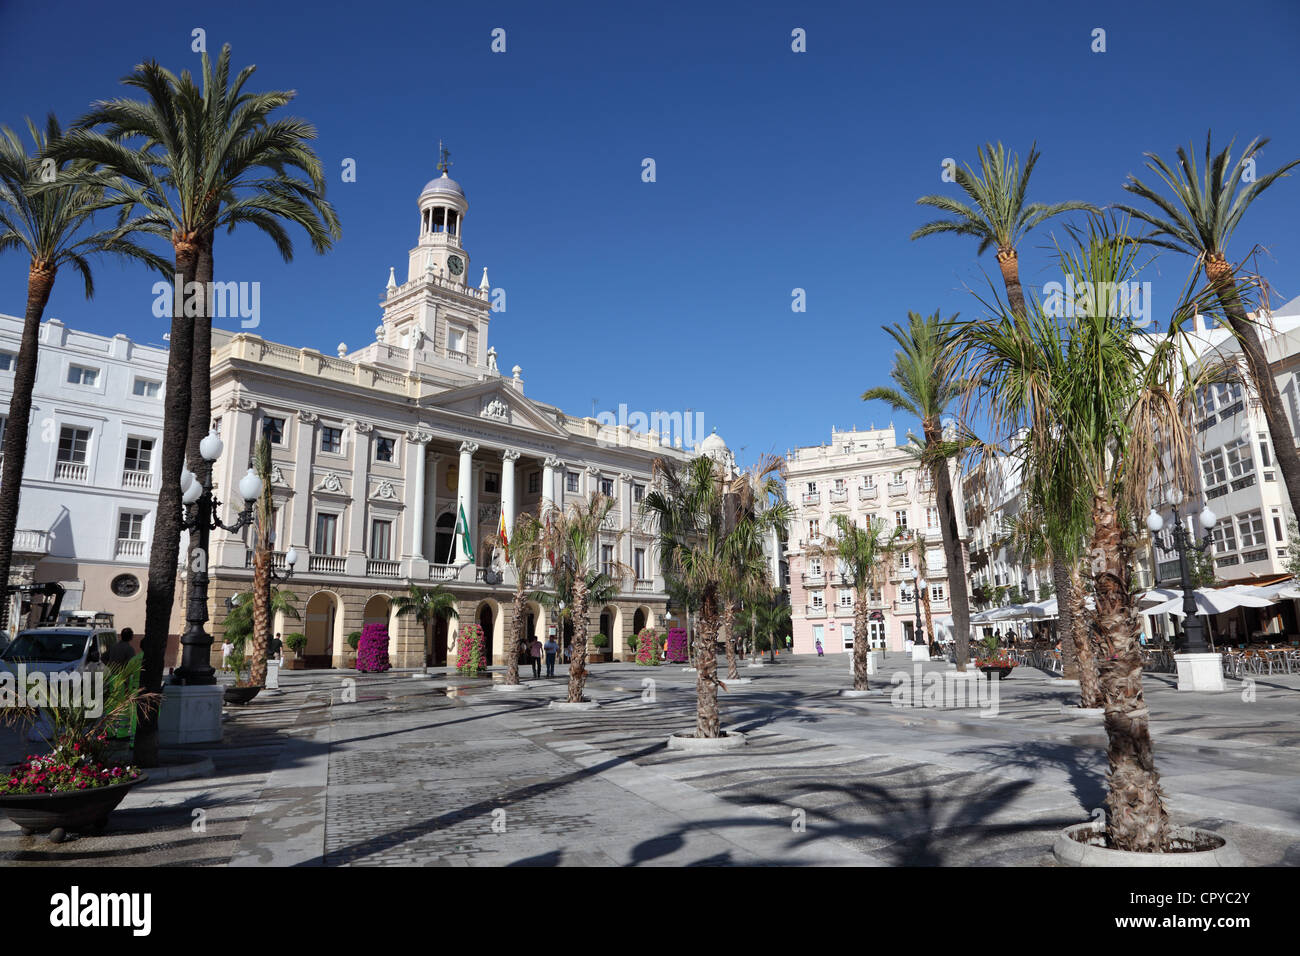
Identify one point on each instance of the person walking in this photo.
(122, 651)
(277, 647)
(820, 652)
(550, 647)
(226, 648)
(535, 652)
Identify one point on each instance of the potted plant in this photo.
(297, 643)
(994, 659)
(470, 661)
(372, 657)
(354, 641)
(599, 642)
(647, 645)
(243, 689)
(80, 781)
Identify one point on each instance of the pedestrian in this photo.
(535, 652)
(550, 647)
(568, 651)
(122, 651)
(276, 647)
(820, 652)
(226, 648)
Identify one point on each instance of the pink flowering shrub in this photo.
(678, 651)
(470, 660)
(64, 771)
(372, 649)
(647, 647)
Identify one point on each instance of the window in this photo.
(812, 487)
(130, 526)
(607, 486)
(1251, 528)
(491, 482)
(932, 517)
(4, 421)
(1265, 455)
(457, 340)
(1205, 401)
(607, 558)
(839, 484)
(1240, 461)
(145, 388)
(936, 592)
(898, 477)
(1213, 470)
(381, 539)
(384, 448)
(817, 599)
(273, 429)
(815, 567)
(534, 482)
(1225, 538)
(139, 454)
(125, 585)
(638, 563)
(814, 528)
(846, 635)
(326, 527)
(846, 598)
(331, 439)
(571, 481)
(900, 520)
(72, 445)
(81, 375)
(905, 561)
(1277, 527)
(868, 481)
(638, 493)
(7, 360)
(1228, 392)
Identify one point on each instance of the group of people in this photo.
(537, 650)
(274, 649)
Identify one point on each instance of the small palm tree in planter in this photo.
(81, 780)
(426, 605)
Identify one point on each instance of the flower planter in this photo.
(240, 695)
(57, 813)
(1198, 848)
(1002, 672)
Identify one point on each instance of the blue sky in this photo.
(775, 170)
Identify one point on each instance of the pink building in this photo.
(863, 475)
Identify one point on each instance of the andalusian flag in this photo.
(501, 531)
(465, 541)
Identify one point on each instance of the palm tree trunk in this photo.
(512, 660)
(261, 613)
(707, 723)
(861, 643)
(1081, 636)
(955, 559)
(1009, 263)
(40, 281)
(201, 374)
(929, 624)
(164, 551)
(729, 619)
(578, 666)
(1065, 620)
(1137, 820)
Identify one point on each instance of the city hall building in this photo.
(377, 451)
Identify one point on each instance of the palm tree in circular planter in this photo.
(426, 605)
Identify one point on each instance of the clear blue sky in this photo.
(775, 170)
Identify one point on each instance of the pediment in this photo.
(496, 403)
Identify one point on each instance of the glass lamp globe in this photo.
(292, 557)
(187, 478)
(1208, 518)
(193, 493)
(1176, 497)
(250, 486)
(210, 447)
(1155, 522)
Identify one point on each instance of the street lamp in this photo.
(1183, 540)
(201, 519)
(917, 584)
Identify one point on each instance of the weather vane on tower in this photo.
(444, 161)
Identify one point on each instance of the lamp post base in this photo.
(190, 714)
(1200, 672)
(920, 652)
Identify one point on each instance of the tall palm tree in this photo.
(755, 489)
(864, 555)
(927, 374)
(574, 537)
(773, 619)
(54, 227)
(526, 554)
(1198, 220)
(265, 516)
(1096, 417)
(426, 605)
(195, 161)
(704, 534)
(1000, 217)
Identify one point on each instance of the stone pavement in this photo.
(450, 772)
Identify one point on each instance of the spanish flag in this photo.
(501, 531)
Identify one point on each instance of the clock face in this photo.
(455, 265)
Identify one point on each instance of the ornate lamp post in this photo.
(917, 584)
(201, 520)
(1183, 540)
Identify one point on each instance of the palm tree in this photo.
(187, 162)
(426, 605)
(241, 622)
(704, 534)
(999, 218)
(1094, 418)
(526, 555)
(862, 554)
(773, 619)
(1199, 220)
(574, 537)
(751, 491)
(52, 226)
(262, 565)
(927, 373)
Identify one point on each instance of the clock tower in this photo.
(442, 211)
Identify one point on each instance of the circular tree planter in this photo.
(736, 680)
(1062, 682)
(1196, 848)
(730, 740)
(859, 694)
(1074, 710)
(512, 688)
(57, 813)
(566, 705)
(240, 695)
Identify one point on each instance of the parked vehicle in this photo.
(54, 650)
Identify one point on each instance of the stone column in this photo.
(508, 459)
(306, 439)
(464, 487)
(548, 481)
(416, 446)
(433, 473)
(357, 550)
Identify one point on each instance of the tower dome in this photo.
(444, 185)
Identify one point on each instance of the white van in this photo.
(55, 650)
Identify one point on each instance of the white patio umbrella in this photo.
(1158, 596)
(1018, 612)
(1211, 601)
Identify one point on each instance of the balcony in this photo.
(442, 572)
(32, 542)
(897, 489)
(839, 496)
(812, 497)
(868, 494)
(844, 610)
(813, 577)
(277, 559)
(815, 612)
(137, 480)
(817, 541)
(377, 568)
(129, 548)
(456, 355)
(644, 586)
(71, 471)
(325, 564)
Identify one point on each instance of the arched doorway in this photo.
(435, 654)
(638, 621)
(319, 624)
(377, 610)
(444, 540)
(485, 621)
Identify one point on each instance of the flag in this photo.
(465, 541)
(501, 531)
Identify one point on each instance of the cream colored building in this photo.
(377, 450)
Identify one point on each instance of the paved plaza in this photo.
(448, 771)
